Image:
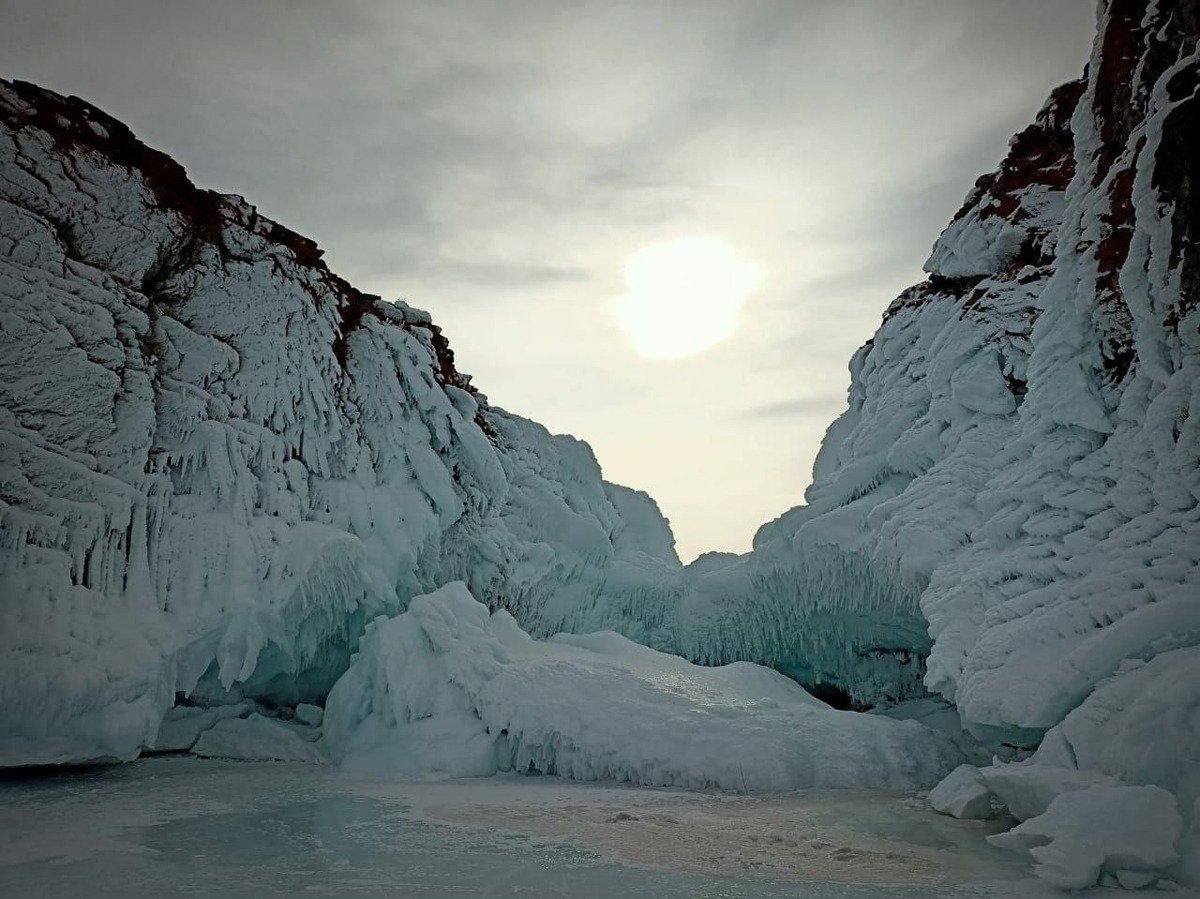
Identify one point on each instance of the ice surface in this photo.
(1131, 832)
(166, 826)
(448, 689)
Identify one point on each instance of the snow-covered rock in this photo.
(1142, 724)
(1027, 789)
(1010, 507)
(1129, 832)
(448, 689)
(255, 738)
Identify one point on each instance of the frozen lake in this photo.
(175, 825)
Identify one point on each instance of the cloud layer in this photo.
(498, 163)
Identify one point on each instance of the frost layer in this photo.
(447, 688)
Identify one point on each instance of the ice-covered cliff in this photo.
(218, 460)
(1014, 491)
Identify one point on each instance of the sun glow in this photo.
(684, 295)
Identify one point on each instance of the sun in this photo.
(684, 295)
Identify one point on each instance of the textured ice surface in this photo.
(447, 688)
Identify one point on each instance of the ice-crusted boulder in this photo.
(963, 793)
(218, 460)
(448, 689)
(1128, 833)
(255, 738)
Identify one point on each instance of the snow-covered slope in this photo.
(218, 459)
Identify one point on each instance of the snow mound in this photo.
(1142, 725)
(1128, 832)
(448, 689)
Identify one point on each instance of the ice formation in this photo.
(448, 688)
(219, 462)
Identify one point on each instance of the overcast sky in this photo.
(497, 163)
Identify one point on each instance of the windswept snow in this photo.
(448, 689)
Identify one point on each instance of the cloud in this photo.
(498, 163)
(824, 407)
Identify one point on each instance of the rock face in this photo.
(219, 460)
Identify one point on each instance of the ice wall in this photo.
(833, 592)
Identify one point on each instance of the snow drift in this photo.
(447, 688)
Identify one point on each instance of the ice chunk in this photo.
(963, 794)
(447, 688)
(1027, 788)
(309, 714)
(1130, 832)
(182, 725)
(254, 739)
